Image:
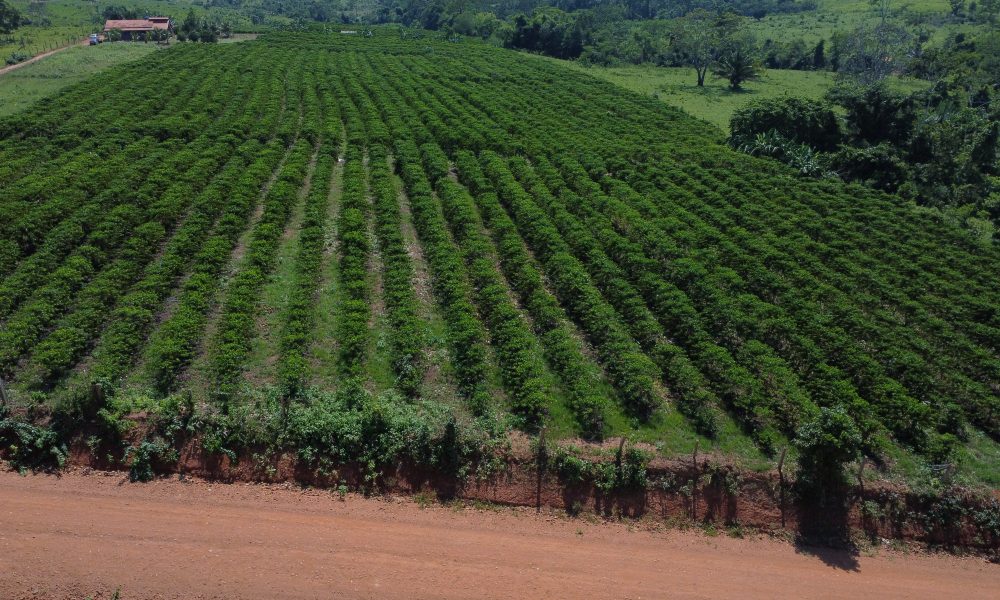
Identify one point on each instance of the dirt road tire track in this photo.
(77, 535)
(38, 57)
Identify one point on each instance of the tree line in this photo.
(937, 146)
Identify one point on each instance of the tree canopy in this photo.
(10, 19)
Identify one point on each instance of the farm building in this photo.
(135, 29)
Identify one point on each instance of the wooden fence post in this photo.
(618, 457)
(542, 459)
(781, 484)
(694, 483)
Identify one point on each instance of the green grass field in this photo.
(32, 40)
(22, 87)
(715, 102)
(66, 21)
(75, 13)
(831, 16)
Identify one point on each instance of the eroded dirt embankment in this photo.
(77, 535)
(706, 490)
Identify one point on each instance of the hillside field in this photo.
(329, 240)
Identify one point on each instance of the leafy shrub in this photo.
(804, 121)
(571, 469)
(632, 471)
(31, 446)
(878, 166)
(987, 519)
(17, 57)
(517, 355)
(825, 445)
(562, 352)
(876, 114)
(626, 472)
(376, 431)
(695, 275)
(467, 335)
(354, 309)
(144, 456)
(231, 344)
(800, 157)
(943, 515)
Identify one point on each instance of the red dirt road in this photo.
(86, 535)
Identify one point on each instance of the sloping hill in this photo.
(462, 231)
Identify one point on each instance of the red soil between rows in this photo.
(87, 533)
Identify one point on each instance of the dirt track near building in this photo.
(38, 57)
(85, 535)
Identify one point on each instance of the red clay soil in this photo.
(84, 535)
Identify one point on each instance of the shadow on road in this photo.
(825, 533)
(845, 559)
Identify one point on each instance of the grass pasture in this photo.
(32, 40)
(832, 16)
(58, 23)
(22, 87)
(715, 102)
(74, 13)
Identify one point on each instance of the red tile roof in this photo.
(134, 25)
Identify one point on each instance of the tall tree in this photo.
(191, 22)
(988, 10)
(873, 51)
(697, 40)
(819, 55)
(10, 19)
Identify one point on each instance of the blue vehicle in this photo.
(94, 39)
